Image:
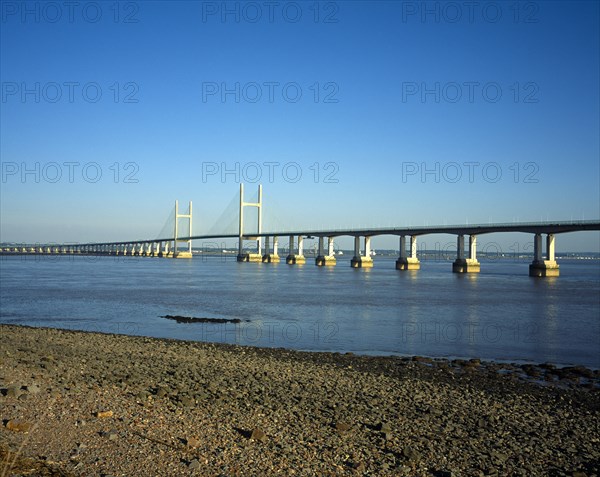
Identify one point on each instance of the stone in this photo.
(410, 454)
(384, 427)
(18, 425)
(498, 456)
(342, 427)
(143, 395)
(194, 465)
(13, 391)
(161, 392)
(110, 435)
(258, 435)
(192, 442)
(442, 473)
(186, 401)
(33, 389)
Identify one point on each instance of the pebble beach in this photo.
(75, 403)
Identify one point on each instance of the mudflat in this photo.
(75, 403)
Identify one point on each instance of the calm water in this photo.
(500, 314)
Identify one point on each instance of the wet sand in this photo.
(75, 403)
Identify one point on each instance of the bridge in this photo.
(267, 243)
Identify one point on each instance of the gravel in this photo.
(99, 404)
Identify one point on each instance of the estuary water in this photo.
(500, 314)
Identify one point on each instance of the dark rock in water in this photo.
(191, 319)
(531, 370)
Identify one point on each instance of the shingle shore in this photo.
(75, 403)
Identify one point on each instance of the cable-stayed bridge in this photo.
(178, 244)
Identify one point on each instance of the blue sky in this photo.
(412, 113)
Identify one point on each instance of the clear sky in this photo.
(349, 114)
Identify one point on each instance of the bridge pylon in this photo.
(251, 256)
(176, 252)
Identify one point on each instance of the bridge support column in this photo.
(166, 252)
(362, 261)
(323, 260)
(296, 257)
(540, 267)
(462, 264)
(404, 262)
(271, 257)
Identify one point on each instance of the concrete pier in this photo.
(362, 261)
(166, 253)
(323, 260)
(462, 264)
(404, 262)
(540, 267)
(296, 257)
(249, 257)
(271, 256)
